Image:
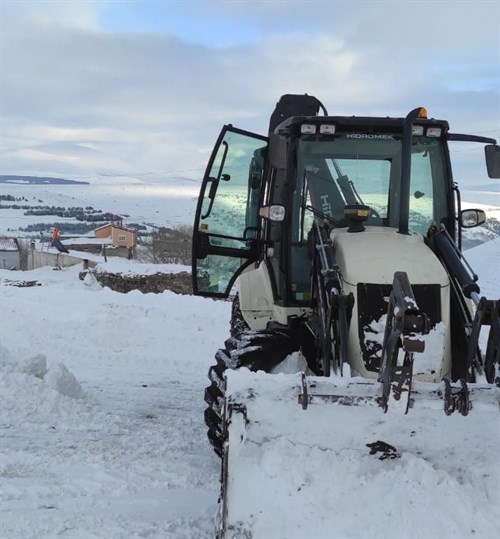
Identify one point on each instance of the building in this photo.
(120, 236)
(10, 253)
(122, 239)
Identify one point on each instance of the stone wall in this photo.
(180, 283)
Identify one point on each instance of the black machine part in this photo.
(294, 105)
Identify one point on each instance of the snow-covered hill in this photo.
(102, 433)
(168, 205)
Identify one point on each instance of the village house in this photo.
(119, 236)
(10, 253)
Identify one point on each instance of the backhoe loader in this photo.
(339, 238)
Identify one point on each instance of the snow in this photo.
(134, 267)
(102, 433)
(310, 473)
(167, 205)
(485, 260)
(101, 410)
(427, 362)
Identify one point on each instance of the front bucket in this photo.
(342, 469)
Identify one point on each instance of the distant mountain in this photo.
(38, 180)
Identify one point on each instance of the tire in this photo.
(491, 360)
(238, 324)
(255, 350)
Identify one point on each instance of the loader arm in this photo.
(334, 308)
(467, 358)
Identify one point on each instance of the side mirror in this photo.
(472, 218)
(492, 154)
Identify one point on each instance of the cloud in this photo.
(28, 14)
(151, 98)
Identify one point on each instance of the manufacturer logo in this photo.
(326, 207)
(370, 136)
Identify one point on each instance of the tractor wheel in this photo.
(238, 324)
(255, 350)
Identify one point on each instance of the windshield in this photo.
(366, 169)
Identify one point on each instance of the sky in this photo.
(141, 89)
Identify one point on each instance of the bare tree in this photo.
(168, 247)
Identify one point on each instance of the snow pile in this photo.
(294, 363)
(29, 391)
(322, 479)
(35, 366)
(63, 381)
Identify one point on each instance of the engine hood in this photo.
(372, 256)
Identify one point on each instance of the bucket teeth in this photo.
(456, 398)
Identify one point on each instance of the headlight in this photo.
(327, 129)
(273, 213)
(434, 131)
(308, 129)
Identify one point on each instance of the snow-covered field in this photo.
(102, 433)
(169, 204)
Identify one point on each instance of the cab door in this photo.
(227, 216)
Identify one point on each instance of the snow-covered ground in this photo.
(101, 417)
(101, 410)
(102, 433)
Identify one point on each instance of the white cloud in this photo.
(155, 102)
(54, 14)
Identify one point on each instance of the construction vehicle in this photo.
(342, 237)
